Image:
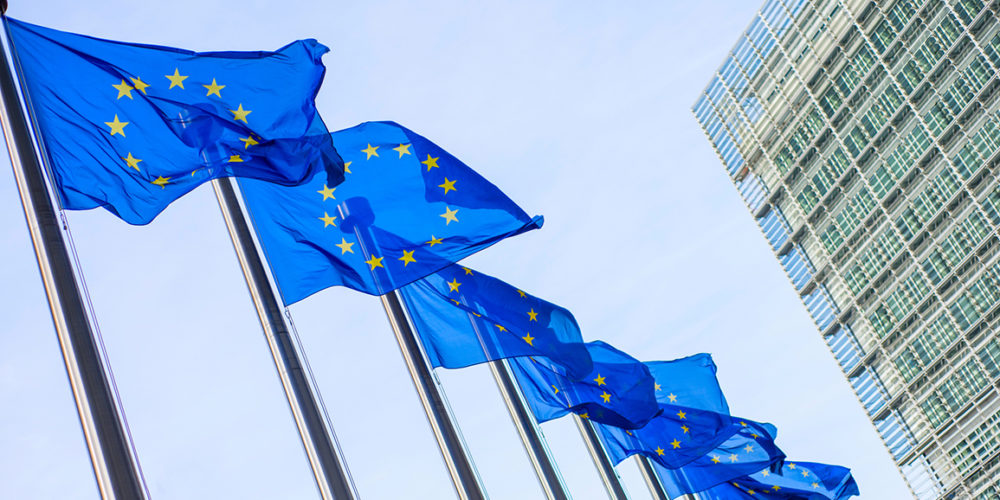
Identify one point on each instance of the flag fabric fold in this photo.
(750, 450)
(795, 481)
(618, 391)
(464, 317)
(132, 127)
(694, 419)
(406, 210)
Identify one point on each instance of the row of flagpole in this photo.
(116, 467)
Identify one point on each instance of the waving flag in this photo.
(795, 481)
(133, 127)
(465, 317)
(694, 419)
(406, 210)
(618, 391)
(750, 450)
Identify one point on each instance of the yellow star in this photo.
(449, 215)
(214, 88)
(248, 141)
(448, 185)
(656, 386)
(815, 485)
(744, 424)
(685, 429)
(407, 257)
(791, 466)
(176, 79)
(240, 114)
(556, 389)
(327, 192)
(139, 84)
(733, 458)
(162, 182)
(529, 339)
(681, 415)
(235, 159)
(805, 473)
(775, 487)
(675, 443)
(370, 151)
(117, 127)
(453, 285)
(345, 246)
(434, 241)
(606, 397)
(584, 415)
(402, 149)
(501, 328)
(430, 162)
(374, 262)
(751, 492)
(124, 89)
(672, 397)
(715, 459)
(457, 303)
(765, 473)
(327, 220)
(532, 315)
(755, 435)
(600, 380)
(659, 451)
(131, 161)
(347, 167)
(521, 294)
(467, 271)
(748, 448)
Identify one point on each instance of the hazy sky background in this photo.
(579, 111)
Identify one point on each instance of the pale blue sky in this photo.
(578, 110)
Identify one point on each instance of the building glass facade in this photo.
(864, 138)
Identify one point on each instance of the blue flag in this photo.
(406, 210)
(694, 420)
(464, 317)
(750, 450)
(795, 481)
(618, 391)
(133, 127)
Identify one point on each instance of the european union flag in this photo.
(750, 450)
(406, 210)
(694, 420)
(133, 127)
(795, 481)
(465, 317)
(618, 391)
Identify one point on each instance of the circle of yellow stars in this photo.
(117, 126)
(370, 151)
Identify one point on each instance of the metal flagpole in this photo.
(320, 443)
(604, 466)
(357, 216)
(115, 467)
(456, 456)
(652, 480)
(531, 435)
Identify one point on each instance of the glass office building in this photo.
(864, 138)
